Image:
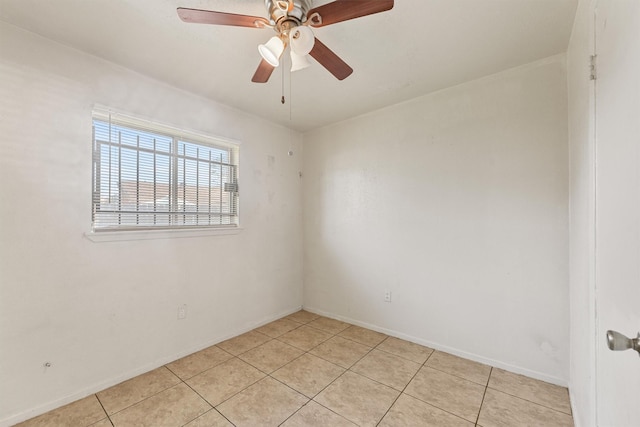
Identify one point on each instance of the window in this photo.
(148, 176)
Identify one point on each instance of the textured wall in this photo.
(456, 202)
(103, 312)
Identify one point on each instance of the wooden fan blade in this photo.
(343, 10)
(263, 72)
(330, 61)
(198, 16)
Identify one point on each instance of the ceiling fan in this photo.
(291, 20)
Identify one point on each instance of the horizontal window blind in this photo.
(148, 176)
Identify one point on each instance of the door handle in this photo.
(618, 342)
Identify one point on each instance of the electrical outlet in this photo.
(387, 296)
(182, 311)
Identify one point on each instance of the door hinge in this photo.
(593, 70)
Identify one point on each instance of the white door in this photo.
(617, 208)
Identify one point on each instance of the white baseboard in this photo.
(437, 346)
(103, 385)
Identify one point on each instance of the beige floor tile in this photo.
(445, 391)
(326, 324)
(363, 336)
(358, 399)
(265, 403)
(244, 342)
(210, 419)
(503, 410)
(270, 356)
(463, 368)
(406, 349)
(302, 316)
(220, 383)
(173, 407)
(341, 351)
(549, 395)
(278, 327)
(452, 394)
(102, 423)
(83, 412)
(408, 411)
(304, 338)
(315, 415)
(387, 368)
(135, 390)
(308, 374)
(198, 362)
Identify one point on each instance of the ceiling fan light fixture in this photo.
(272, 50)
(302, 40)
(299, 62)
(293, 20)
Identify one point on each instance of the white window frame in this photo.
(174, 227)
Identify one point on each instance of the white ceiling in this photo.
(418, 47)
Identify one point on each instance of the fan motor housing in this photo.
(277, 10)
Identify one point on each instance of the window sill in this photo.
(130, 235)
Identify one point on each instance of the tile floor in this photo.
(307, 370)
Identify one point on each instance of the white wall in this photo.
(103, 312)
(457, 202)
(582, 217)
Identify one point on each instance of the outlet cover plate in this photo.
(182, 312)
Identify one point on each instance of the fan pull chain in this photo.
(282, 99)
